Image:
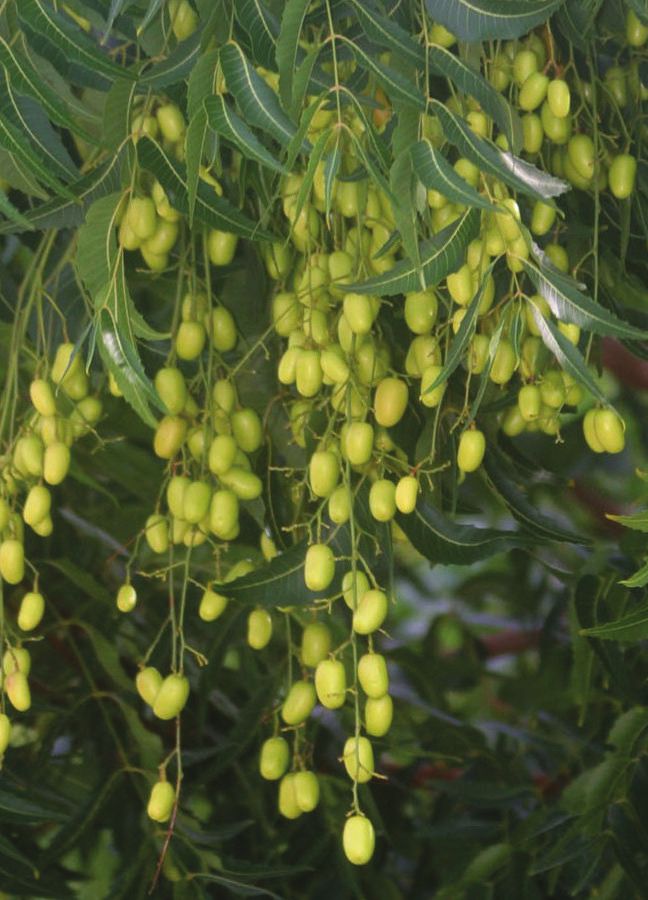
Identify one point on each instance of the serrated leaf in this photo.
(258, 103)
(229, 125)
(395, 85)
(387, 33)
(63, 43)
(441, 255)
(516, 172)
(13, 140)
(435, 172)
(314, 159)
(631, 627)
(570, 304)
(637, 521)
(484, 375)
(402, 184)
(576, 20)
(195, 139)
(479, 20)
(201, 81)
(175, 67)
(446, 542)
(261, 27)
(210, 209)
(97, 244)
(117, 113)
(639, 579)
(472, 82)
(287, 51)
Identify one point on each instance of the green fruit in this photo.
(224, 395)
(552, 389)
(472, 446)
(525, 63)
(246, 485)
(529, 402)
(589, 433)
(339, 505)
(299, 703)
(346, 198)
(358, 759)
(5, 733)
(372, 675)
(12, 561)
(42, 397)
(354, 586)
(581, 154)
(274, 758)
(316, 644)
(17, 690)
(190, 340)
(126, 598)
(197, 498)
(28, 455)
(148, 682)
(162, 241)
(286, 313)
(609, 429)
(533, 133)
(319, 567)
(156, 532)
(307, 791)
(184, 20)
(223, 329)
(390, 401)
(171, 122)
(37, 505)
(308, 372)
(533, 91)
(324, 472)
(432, 398)
(421, 310)
(557, 130)
(370, 612)
(224, 514)
(56, 462)
(382, 500)
(222, 453)
(478, 354)
(512, 423)
(288, 806)
(330, 683)
(504, 362)
(172, 389)
(16, 659)
(358, 840)
(169, 436)
(31, 611)
(161, 800)
(212, 605)
(66, 363)
(259, 629)
(379, 713)
(559, 98)
(407, 490)
(247, 429)
(141, 217)
(172, 696)
(542, 218)
(357, 443)
(622, 174)
(175, 495)
(617, 85)
(636, 31)
(461, 285)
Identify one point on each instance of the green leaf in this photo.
(472, 82)
(261, 27)
(64, 44)
(195, 140)
(85, 581)
(435, 172)
(568, 303)
(97, 244)
(117, 113)
(16, 807)
(292, 22)
(479, 20)
(396, 85)
(175, 67)
(201, 81)
(279, 583)
(9, 210)
(210, 209)
(637, 521)
(639, 579)
(628, 728)
(516, 172)
(229, 125)
(314, 159)
(631, 627)
(258, 103)
(443, 254)
(388, 33)
(151, 12)
(403, 201)
(444, 541)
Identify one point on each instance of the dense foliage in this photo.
(322, 552)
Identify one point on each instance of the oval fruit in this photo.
(406, 494)
(324, 471)
(432, 398)
(358, 443)
(148, 682)
(358, 759)
(16, 659)
(330, 683)
(161, 801)
(274, 758)
(12, 561)
(171, 388)
(212, 605)
(354, 586)
(56, 462)
(379, 712)
(533, 92)
(319, 567)
(247, 429)
(223, 329)
(246, 485)
(17, 689)
(42, 397)
(169, 436)
(197, 498)
(171, 122)
(32, 607)
(609, 430)
(316, 644)
(339, 505)
(37, 505)
(421, 311)
(559, 98)
(307, 790)
(172, 696)
(580, 150)
(589, 433)
(190, 340)
(358, 840)
(224, 514)
(529, 402)
(308, 372)
(5, 733)
(472, 446)
(382, 500)
(288, 806)
(221, 247)
(372, 675)
(156, 531)
(299, 703)
(126, 598)
(259, 629)
(622, 174)
(390, 401)
(370, 612)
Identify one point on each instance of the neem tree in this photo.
(296, 296)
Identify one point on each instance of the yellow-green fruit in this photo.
(224, 395)
(358, 759)
(221, 247)
(247, 429)
(148, 682)
(319, 568)
(370, 612)
(286, 313)
(324, 472)
(334, 366)
(358, 443)
(339, 505)
(504, 362)
(223, 329)
(172, 696)
(617, 85)
(28, 455)
(525, 63)
(5, 513)
(622, 174)
(512, 422)
(316, 644)
(12, 561)
(184, 20)
(44, 528)
(299, 703)
(532, 132)
(169, 436)
(533, 91)
(421, 311)
(222, 453)
(259, 629)
(16, 659)
(56, 462)
(274, 758)
(175, 495)
(31, 611)
(37, 505)
(580, 151)
(307, 791)
(42, 397)
(529, 402)
(161, 242)
(559, 98)
(407, 489)
(433, 397)
(542, 217)
(461, 285)
(66, 363)
(171, 122)
(609, 430)
(246, 485)
(17, 690)
(212, 605)
(308, 372)
(353, 587)
(5, 733)
(552, 389)
(382, 500)
(287, 802)
(372, 675)
(161, 800)
(557, 129)
(390, 401)
(224, 514)
(358, 840)
(330, 683)
(126, 598)
(196, 502)
(589, 432)
(141, 217)
(156, 531)
(172, 389)
(472, 446)
(636, 31)
(190, 340)
(379, 713)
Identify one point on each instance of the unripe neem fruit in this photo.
(552, 389)
(636, 31)
(169, 436)
(354, 586)
(171, 122)
(358, 759)
(370, 612)
(28, 455)
(308, 372)
(609, 430)
(44, 528)
(171, 388)
(358, 840)
(148, 682)
(407, 489)
(5, 733)
(360, 312)
(221, 247)
(42, 397)
(16, 659)
(339, 505)
(37, 505)
(299, 703)
(504, 363)
(126, 598)
(319, 567)
(559, 98)
(379, 713)
(172, 696)
(432, 398)
(197, 498)
(224, 395)
(324, 471)
(357, 443)
(472, 446)
(316, 643)
(287, 803)
(259, 629)
(161, 800)
(307, 790)
(542, 218)
(372, 675)
(529, 402)
(390, 401)
(580, 151)
(17, 690)
(224, 513)
(589, 433)
(156, 531)
(622, 174)
(330, 683)
(246, 485)
(175, 495)
(66, 363)
(190, 340)
(212, 605)
(222, 453)
(31, 611)
(382, 500)
(12, 561)
(247, 429)
(533, 91)
(56, 462)
(223, 329)
(274, 758)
